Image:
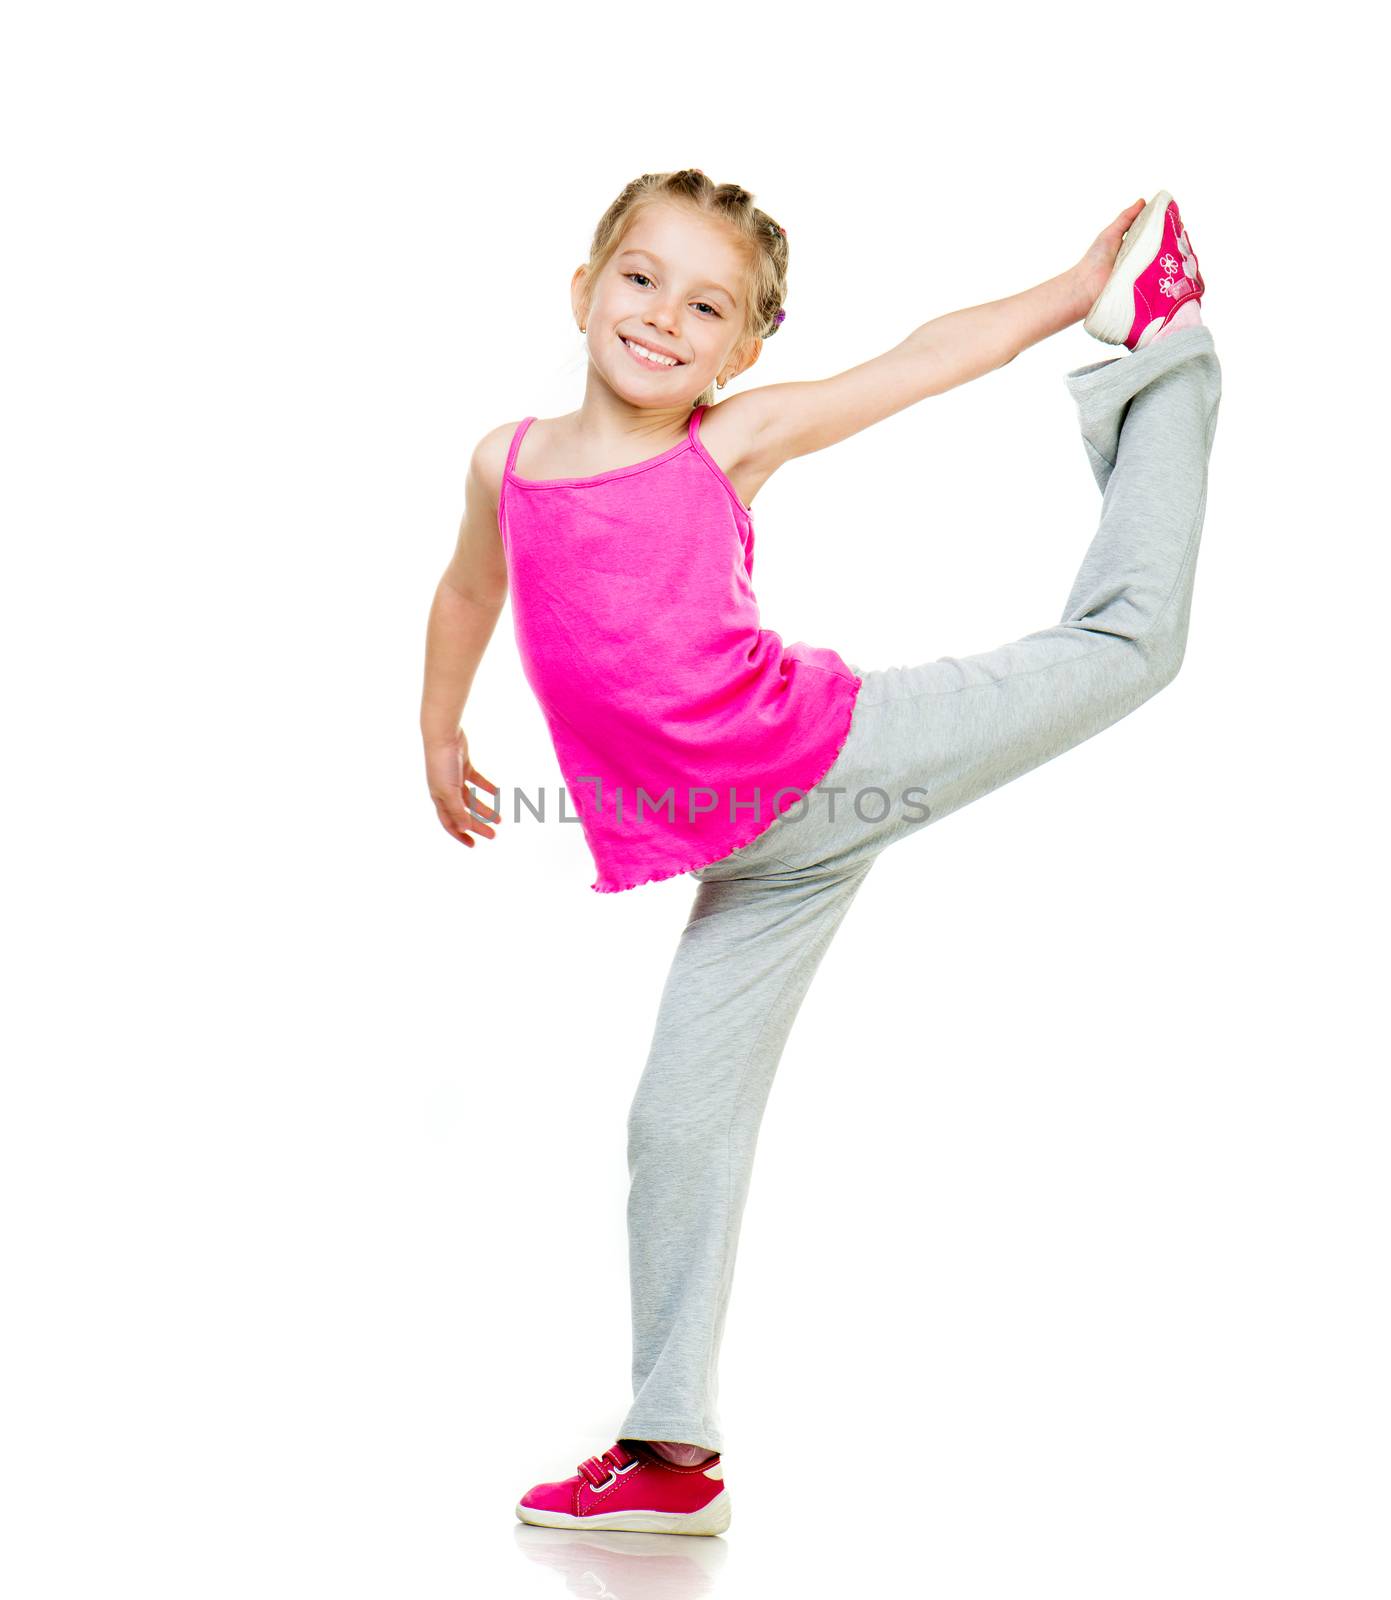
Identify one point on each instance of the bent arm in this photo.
(465, 610)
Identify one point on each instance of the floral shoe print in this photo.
(1156, 272)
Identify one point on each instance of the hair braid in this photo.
(763, 241)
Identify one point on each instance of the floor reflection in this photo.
(627, 1566)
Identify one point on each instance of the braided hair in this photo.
(764, 241)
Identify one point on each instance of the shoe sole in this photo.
(712, 1518)
(1112, 316)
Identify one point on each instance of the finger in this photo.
(452, 812)
(451, 827)
(455, 832)
(471, 772)
(478, 820)
(480, 817)
(466, 813)
(484, 810)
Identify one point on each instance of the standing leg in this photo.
(956, 728)
(745, 961)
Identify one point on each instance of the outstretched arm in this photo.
(783, 420)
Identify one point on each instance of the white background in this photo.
(1064, 1266)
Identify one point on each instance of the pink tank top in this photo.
(681, 726)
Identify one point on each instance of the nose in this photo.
(664, 314)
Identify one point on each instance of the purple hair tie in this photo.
(780, 315)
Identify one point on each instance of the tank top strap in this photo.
(522, 426)
(693, 431)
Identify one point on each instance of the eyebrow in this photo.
(658, 260)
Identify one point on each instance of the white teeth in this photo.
(660, 361)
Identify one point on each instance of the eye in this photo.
(711, 309)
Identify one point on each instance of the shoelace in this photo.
(600, 1470)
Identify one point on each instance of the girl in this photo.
(692, 740)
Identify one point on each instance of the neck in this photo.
(605, 418)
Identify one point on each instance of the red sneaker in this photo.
(1156, 272)
(630, 1488)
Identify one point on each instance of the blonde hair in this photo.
(763, 242)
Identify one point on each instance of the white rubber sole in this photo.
(713, 1518)
(1113, 314)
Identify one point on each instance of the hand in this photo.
(1092, 271)
(448, 768)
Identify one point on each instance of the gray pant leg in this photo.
(944, 733)
(743, 966)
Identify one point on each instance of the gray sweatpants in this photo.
(923, 741)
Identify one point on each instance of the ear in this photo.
(744, 358)
(578, 295)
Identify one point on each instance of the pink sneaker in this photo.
(1156, 272)
(630, 1488)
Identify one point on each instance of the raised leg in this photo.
(953, 729)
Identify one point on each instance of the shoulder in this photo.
(489, 459)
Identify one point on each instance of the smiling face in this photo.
(675, 288)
